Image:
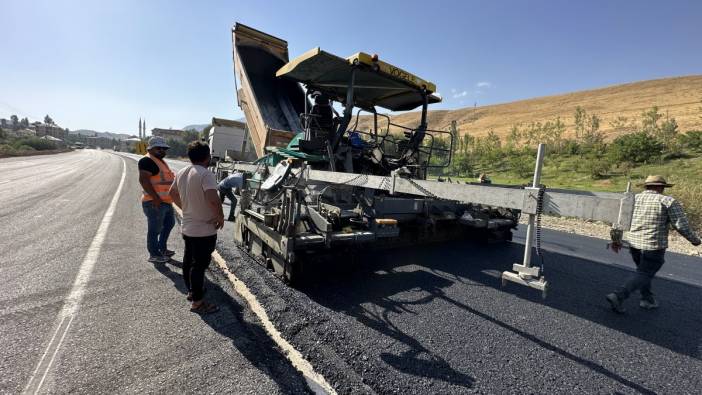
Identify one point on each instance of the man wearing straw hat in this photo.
(654, 213)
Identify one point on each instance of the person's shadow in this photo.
(249, 339)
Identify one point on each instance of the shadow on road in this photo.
(249, 339)
(374, 285)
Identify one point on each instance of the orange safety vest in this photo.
(161, 181)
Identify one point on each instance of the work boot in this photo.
(648, 303)
(158, 259)
(616, 303)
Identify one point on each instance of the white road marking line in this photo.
(317, 383)
(70, 306)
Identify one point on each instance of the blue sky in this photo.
(101, 65)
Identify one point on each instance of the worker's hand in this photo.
(614, 246)
(157, 203)
(218, 222)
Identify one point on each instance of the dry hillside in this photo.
(680, 97)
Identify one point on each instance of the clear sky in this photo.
(103, 64)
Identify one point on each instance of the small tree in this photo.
(513, 138)
(580, 122)
(24, 123)
(205, 135)
(14, 120)
(178, 147)
(522, 164)
(48, 120)
(638, 147)
(462, 165)
(587, 131)
(691, 140)
(597, 166)
(649, 121)
(668, 132)
(191, 135)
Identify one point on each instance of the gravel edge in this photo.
(600, 230)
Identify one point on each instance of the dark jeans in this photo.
(227, 192)
(197, 256)
(647, 264)
(160, 222)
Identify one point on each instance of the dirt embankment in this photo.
(678, 97)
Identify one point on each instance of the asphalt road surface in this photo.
(132, 330)
(430, 319)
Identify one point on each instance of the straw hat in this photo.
(656, 181)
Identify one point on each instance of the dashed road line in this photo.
(70, 306)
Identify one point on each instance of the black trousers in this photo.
(227, 192)
(196, 258)
(648, 263)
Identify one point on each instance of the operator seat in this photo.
(322, 121)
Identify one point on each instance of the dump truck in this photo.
(323, 185)
(229, 140)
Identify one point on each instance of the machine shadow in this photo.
(577, 287)
(249, 339)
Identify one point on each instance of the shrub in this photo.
(34, 143)
(691, 140)
(689, 195)
(522, 165)
(597, 167)
(462, 165)
(640, 147)
(571, 147)
(178, 148)
(6, 149)
(25, 147)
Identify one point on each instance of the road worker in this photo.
(156, 178)
(234, 180)
(654, 212)
(195, 192)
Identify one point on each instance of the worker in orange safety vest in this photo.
(156, 178)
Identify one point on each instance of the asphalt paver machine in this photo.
(329, 181)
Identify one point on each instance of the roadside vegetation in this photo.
(650, 144)
(179, 146)
(19, 146)
(14, 143)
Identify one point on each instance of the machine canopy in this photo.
(376, 83)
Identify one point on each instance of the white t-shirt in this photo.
(192, 182)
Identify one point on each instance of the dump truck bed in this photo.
(271, 105)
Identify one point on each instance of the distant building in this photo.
(43, 129)
(101, 142)
(128, 145)
(169, 133)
